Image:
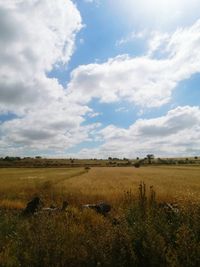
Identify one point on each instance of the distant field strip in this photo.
(181, 183)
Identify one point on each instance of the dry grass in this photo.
(107, 183)
(182, 183)
(11, 204)
(137, 233)
(19, 185)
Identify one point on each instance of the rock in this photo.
(32, 206)
(169, 207)
(53, 208)
(102, 208)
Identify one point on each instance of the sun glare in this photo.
(163, 12)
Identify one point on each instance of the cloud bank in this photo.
(177, 133)
(145, 81)
(37, 36)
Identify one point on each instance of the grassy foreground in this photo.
(137, 232)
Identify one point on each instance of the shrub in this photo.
(137, 164)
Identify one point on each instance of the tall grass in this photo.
(139, 232)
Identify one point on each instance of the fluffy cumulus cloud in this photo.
(175, 134)
(145, 81)
(35, 36)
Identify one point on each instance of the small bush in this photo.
(137, 165)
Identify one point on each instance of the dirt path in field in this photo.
(78, 174)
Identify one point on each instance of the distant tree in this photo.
(149, 158)
(7, 158)
(137, 164)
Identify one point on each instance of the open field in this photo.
(19, 185)
(79, 185)
(138, 232)
(177, 183)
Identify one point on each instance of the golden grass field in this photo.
(177, 183)
(139, 231)
(18, 185)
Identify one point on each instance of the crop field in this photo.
(140, 230)
(107, 183)
(177, 183)
(18, 185)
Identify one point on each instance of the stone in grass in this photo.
(53, 208)
(101, 208)
(32, 206)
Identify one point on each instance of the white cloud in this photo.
(175, 134)
(145, 81)
(156, 41)
(35, 35)
(94, 114)
(31, 133)
(121, 109)
(131, 37)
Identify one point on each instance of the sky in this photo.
(99, 78)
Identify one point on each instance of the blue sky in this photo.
(100, 78)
